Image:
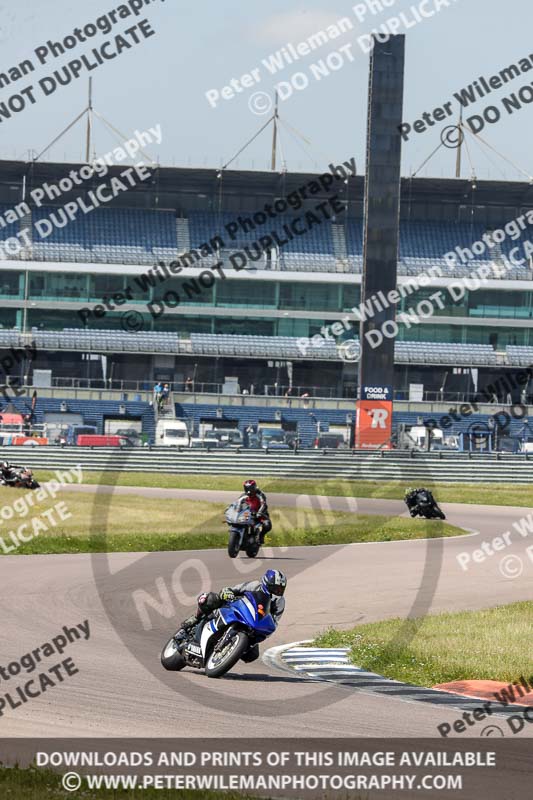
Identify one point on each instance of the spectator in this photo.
(305, 398)
(248, 431)
(288, 395)
(164, 394)
(189, 384)
(158, 388)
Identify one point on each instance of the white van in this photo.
(171, 433)
(419, 436)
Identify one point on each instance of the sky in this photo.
(200, 47)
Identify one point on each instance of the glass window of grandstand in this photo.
(310, 296)
(500, 304)
(451, 308)
(249, 292)
(431, 333)
(101, 286)
(497, 338)
(189, 292)
(137, 294)
(8, 318)
(49, 320)
(9, 284)
(351, 296)
(57, 286)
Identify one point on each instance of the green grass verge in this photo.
(126, 523)
(495, 494)
(38, 784)
(493, 644)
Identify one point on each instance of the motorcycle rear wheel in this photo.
(171, 658)
(220, 662)
(234, 544)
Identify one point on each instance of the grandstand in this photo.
(251, 324)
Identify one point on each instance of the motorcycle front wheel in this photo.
(234, 544)
(252, 548)
(171, 658)
(223, 659)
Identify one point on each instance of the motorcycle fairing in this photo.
(243, 611)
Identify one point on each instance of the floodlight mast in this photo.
(91, 112)
(89, 122)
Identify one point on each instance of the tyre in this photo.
(252, 549)
(221, 661)
(439, 514)
(171, 658)
(234, 544)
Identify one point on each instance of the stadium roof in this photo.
(169, 184)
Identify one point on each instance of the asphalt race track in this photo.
(121, 690)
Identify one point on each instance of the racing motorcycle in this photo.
(229, 634)
(244, 532)
(22, 479)
(421, 502)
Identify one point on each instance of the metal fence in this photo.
(338, 465)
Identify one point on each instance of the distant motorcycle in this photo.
(230, 634)
(421, 503)
(22, 479)
(243, 531)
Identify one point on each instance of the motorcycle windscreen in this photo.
(236, 517)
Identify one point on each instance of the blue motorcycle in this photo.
(231, 633)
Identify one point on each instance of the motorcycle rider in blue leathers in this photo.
(273, 584)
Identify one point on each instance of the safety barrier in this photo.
(345, 465)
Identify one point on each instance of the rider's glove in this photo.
(227, 595)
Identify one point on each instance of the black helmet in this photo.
(274, 582)
(250, 487)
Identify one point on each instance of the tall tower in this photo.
(381, 237)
